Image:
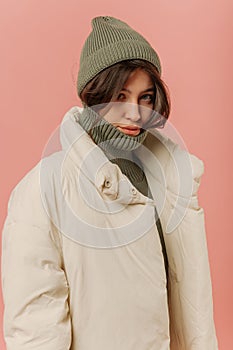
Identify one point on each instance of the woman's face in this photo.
(133, 106)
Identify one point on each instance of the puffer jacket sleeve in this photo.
(190, 289)
(35, 289)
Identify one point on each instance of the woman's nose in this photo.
(132, 111)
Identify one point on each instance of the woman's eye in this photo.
(148, 98)
(120, 97)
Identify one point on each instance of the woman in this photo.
(104, 244)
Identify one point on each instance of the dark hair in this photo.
(106, 86)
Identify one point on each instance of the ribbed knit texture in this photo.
(112, 41)
(117, 146)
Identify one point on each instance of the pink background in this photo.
(40, 47)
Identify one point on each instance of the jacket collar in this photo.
(172, 173)
(107, 177)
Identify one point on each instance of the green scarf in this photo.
(117, 146)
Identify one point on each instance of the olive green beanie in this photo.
(111, 41)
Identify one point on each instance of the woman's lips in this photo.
(129, 129)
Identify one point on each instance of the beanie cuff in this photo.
(114, 53)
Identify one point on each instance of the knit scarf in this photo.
(117, 146)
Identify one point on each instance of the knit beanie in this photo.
(111, 41)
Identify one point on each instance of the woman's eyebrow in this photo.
(147, 90)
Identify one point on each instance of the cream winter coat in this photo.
(82, 263)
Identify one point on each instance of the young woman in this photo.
(104, 245)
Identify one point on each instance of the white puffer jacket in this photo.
(82, 263)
